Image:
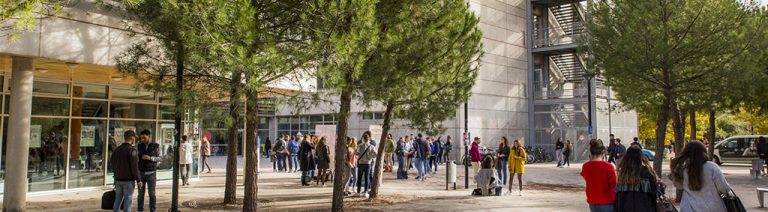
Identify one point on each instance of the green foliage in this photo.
(426, 61)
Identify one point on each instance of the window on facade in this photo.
(372, 115)
(88, 108)
(131, 110)
(50, 106)
(90, 91)
(131, 93)
(42, 87)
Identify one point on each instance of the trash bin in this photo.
(757, 169)
(450, 174)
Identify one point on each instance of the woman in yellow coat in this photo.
(516, 165)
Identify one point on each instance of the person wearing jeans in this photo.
(123, 194)
(422, 156)
(365, 154)
(503, 156)
(150, 156)
(124, 162)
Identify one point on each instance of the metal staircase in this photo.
(570, 66)
(569, 17)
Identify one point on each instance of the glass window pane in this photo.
(50, 106)
(167, 112)
(88, 108)
(131, 93)
(87, 141)
(90, 91)
(7, 104)
(50, 88)
(131, 110)
(47, 151)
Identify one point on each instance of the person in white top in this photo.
(408, 153)
(185, 159)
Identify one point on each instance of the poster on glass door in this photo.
(87, 136)
(35, 136)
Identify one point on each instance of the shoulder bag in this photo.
(732, 202)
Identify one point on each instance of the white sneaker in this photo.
(521, 193)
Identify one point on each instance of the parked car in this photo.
(737, 149)
(649, 154)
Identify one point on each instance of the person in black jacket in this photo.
(149, 153)
(762, 152)
(559, 152)
(307, 161)
(125, 161)
(636, 189)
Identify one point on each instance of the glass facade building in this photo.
(75, 126)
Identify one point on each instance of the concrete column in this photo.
(15, 193)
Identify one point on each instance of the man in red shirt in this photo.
(600, 177)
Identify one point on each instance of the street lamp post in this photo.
(466, 147)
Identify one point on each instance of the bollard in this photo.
(450, 174)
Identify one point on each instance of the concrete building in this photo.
(65, 105)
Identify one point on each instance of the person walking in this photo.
(351, 165)
(267, 147)
(389, 149)
(618, 151)
(150, 157)
(559, 145)
(503, 157)
(567, 153)
(400, 154)
(365, 154)
(516, 165)
(293, 150)
(422, 157)
(611, 149)
(206, 153)
(637, 185)
(762, 152)
(600, 177)
(185, 160)
(448, 148)
(307, 162)
(433, 155)
(323, 159)
(474, 155)
(702, 180)
(125, 166)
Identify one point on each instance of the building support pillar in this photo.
(19, 121)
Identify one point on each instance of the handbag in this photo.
(732, 202)
(108, 200)
(663, 204)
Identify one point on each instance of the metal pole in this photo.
(589, 106)
(178, 125)
(466, 147)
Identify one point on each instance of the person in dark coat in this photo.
(637, 183)
(307, 161)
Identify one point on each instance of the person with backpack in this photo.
(448, 149)
(307, 161)
(125, 166)
(637, 185)
(293, 150)
(323, 159)
(388, 151)
(365, 154)
(280, 149)
(149, 153)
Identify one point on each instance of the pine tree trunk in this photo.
(250, 199)
(661, 132)
(693, 126)
(382, 144)
(711, 134)
(678, 127)
(230, 185)
(341, 145)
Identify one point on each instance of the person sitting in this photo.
(487, 179)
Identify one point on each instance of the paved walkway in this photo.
(546, 189)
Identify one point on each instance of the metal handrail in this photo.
(553, 36)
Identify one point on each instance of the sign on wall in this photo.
(87, 136)
(35, 136)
